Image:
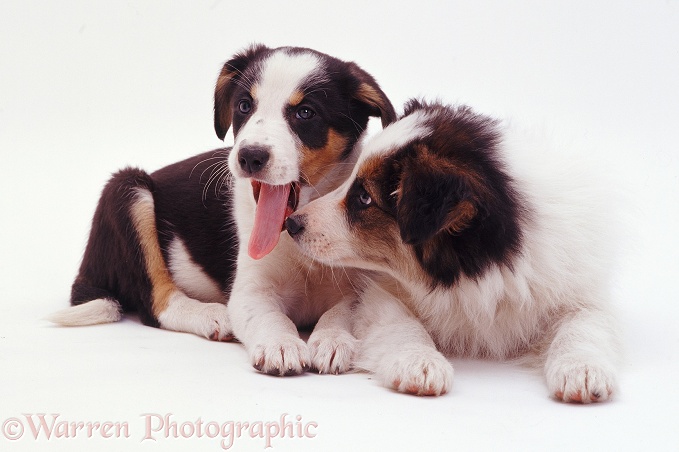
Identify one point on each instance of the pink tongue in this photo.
(269, 217)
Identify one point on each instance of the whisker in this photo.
(219, 173)
(314, 90)
(201, 162)
(242, 75)
(359, 129)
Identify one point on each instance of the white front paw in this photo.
(420, 372)
(579, 382)
(332, 351)
(284, 356)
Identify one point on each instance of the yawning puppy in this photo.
(167, 244)
(476, 250)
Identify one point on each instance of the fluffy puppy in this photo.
(476, 249)
(166, 244)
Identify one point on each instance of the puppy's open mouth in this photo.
(275, 203)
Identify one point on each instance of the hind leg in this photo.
(172, 308)
(112, 276)
(185, 314)
(123, 268)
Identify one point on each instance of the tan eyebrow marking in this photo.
(296, 98)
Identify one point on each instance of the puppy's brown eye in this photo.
(358, 198)
(365, 198)
(244, 106)
(305, 113)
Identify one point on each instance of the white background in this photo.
(89, 87)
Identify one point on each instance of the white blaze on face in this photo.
(395, 136)
(281, 76)
(389, 140)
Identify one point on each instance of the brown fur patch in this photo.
(370, 169)
(427, 157)
(459, 218)
(369, 94)
(317, 162)
(373, 96)
(296, 98)
(144, 219)
(372, 174)
(448, 164)
(224, 79)
(223, 114)
(376, 238)
(374, 233)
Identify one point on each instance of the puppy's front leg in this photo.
(395, 346)
(269, 336)
(581, 361)
(331, 344)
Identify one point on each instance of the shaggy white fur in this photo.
(550, 301)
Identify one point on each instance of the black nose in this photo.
(252, 158)
(294, 224)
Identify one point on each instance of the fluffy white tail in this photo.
(101, 310)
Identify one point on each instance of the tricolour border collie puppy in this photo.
(167, 244)
(476, 249)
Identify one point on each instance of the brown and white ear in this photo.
(369, 93)
(431, 201)
(231, 72)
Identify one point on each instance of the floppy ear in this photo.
(231, 72)
(431, 200)
(369, 93)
